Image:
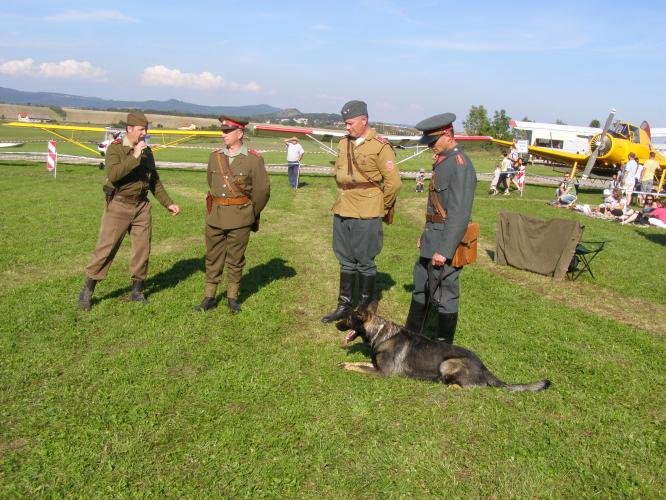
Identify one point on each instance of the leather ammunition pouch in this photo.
(466, 251)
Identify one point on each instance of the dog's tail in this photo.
(534, 386)
(493, 381)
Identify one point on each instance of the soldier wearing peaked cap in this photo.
(368, 183)
(448, 211)
(130, 169)
(239, 191)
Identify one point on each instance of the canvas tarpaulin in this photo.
(541, 246)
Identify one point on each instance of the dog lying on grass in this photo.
(398, 351)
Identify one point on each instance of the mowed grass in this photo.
(131, 400)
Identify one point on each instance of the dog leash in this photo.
(432, 289)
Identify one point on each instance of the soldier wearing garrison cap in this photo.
(368, 183)
(239, 191)
(448, 211)
(130, 169)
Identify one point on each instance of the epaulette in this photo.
(117, 141)
(254, 152)
(381, 139)
(460, 160)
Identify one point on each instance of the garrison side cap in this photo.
(137, 119)
(353, 109)
(227, 123)
(434, 126)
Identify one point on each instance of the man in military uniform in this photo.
(131, 173)
(368, 183)
(448, 211)
(239, 191)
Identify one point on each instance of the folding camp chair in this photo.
(585, 253)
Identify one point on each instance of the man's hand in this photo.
(138, 148)
(174, 209)
(438, 259)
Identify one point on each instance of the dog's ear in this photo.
(372, 307)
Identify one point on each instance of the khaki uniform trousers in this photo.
(119, 219)
(225, 247)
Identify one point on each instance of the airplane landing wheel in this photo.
(101, 165)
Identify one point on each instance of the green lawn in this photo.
(131, 400)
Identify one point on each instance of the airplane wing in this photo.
(58, 130)
(328, 135)
(550, 154)
(151, 131)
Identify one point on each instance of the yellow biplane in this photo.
(608, 150)
(111, 134)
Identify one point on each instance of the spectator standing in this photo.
(647, 175)
(295, 153)
(629, 177)
(420, 180)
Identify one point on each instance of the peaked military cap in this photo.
(435, 126)
(228, 124)
(353, 109)
(137, 119)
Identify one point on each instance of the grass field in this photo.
(131, 400)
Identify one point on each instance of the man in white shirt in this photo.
(629, 177)
(294, 154)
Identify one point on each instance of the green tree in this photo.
(595, 123)
(477, 122)
(500, 125)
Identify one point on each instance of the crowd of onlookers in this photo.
(633, 182)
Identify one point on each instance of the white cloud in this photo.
(97, 15)
(16, 67)
(72, 69)
(161, 76)
(69, 69)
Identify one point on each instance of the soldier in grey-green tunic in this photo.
(131, 174)
(448, 211)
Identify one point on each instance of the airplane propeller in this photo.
(599, 143)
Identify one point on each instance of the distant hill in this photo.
(12, 96)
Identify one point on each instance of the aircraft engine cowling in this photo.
(604, 144)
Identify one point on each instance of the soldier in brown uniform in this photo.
(368, 183)
(131, 173)
(239, 190)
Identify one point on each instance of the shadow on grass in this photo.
(180, 271)
(383, 281)
(659, 239)
(263, 274)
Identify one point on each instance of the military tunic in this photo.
(358, 212)
(128, 211)
(454, 186)
(228, 227)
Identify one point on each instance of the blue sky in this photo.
(571, 61)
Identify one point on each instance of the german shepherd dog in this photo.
(398, 351)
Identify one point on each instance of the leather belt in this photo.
(356, 185)
(130, 199)
(435, 218)
(240, 200)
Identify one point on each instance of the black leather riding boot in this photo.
(207, 304)
(446, 327)
(347, 281)
(233, 305)
(85, 297)
(137, 292)
(416, 317)
(367, 285)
